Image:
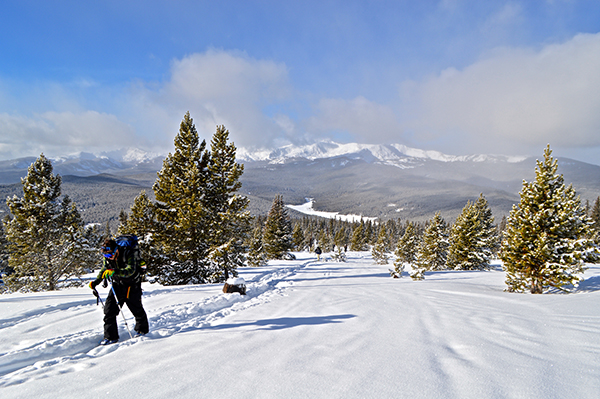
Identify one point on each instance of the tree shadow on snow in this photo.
(590, 284)
(285, 322)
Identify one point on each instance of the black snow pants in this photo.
(132, 296)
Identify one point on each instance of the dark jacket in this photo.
(125, 269)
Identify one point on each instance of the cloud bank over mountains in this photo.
(511, 100)
(511, 97)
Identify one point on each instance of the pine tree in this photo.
(107, 231)
(595, 216)
(141, 219)
(501, 229)
(464, 234)
(4, 252)
(47, 246)
(123, 217)
(433, 249)
(358, 240)
(141, 222)
(256, 254)
(546, 242)
(472, 237)
(489, 233)
(202, 223)
(340, 239)
(325, 240)
(406, 250)
(182, 234)
(94, 237)
(381, 248)
(277, 236)
(369, 235)
(227, 216)
(298, 237)
(392, 229)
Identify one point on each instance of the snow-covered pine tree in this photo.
(489, 234)
(182, 234)
(277, 235)
(406, 250)
(227, 217)
(107, 231)
(595, 216)
(122, 218)
(93, 234)
(433, 248)
(340, 239)
(48, 249)
(4, 254)
(77, 252)
(325, 240)
(369, 234)
(141, 219)
(256, 254)
(500, 231)
(382, 247)
(358, 240)
(464, 234)
(546, 243)
(472, 237)
(298, 237)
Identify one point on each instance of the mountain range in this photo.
(385, 181)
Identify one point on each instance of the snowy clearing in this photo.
(311, 329)
(307, 209)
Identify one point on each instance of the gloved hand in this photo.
(94, 283)
(108, 273)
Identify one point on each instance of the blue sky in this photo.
(456, 76)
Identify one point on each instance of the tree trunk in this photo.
(536, 287)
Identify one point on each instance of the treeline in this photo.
(544, 243)
(468, 244)
(198, 229)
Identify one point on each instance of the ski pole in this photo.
(98, 297)
(120, 307)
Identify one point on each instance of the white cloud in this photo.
(513, 98)
(509, 14)
(219, 88)
(57, 133)
(364, 119)
(510, 101)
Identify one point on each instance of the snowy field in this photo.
(307, 209)
(311, 329)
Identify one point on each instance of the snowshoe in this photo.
(108, 341)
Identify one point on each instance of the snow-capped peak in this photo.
(130, 155)
(391, 154)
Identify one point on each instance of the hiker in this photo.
(127, 285)
(318, 252)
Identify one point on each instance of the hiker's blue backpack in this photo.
(128, 245)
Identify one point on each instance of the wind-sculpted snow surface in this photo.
(309, 329)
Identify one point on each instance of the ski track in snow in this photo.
(24, 364)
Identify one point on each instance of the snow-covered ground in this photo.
(311, 329)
